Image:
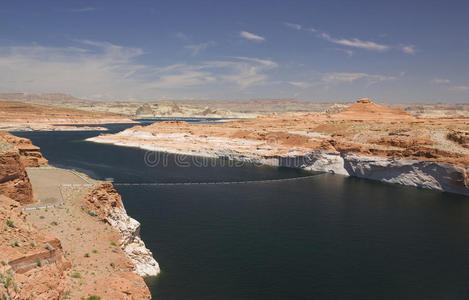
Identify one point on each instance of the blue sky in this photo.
(396, 51)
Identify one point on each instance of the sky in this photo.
(393, 51)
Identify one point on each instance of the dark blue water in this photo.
(325, 237)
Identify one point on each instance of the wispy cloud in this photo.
(293, 25)
(338, 78)
(300, 84)
(82, 9)
(182, 36)
(356, 43)
(440, 81)
(409, 49)
(103, 71)
(244, 71)
(460, 88)
(251, 36)
(197, 48)
(344, 77)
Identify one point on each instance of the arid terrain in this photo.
(64, 236)
(25, 116)
(219, 108)
(363, 131)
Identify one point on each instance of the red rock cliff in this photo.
(14, 182)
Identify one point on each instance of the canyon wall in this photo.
(106, 203)
(16, 154)
(33, 264)
(412, 172)
(441, 176)
(14, 182)
(433, 175)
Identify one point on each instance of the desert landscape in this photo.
(365, 140)
(65, 236)
(234, 150)
(76, 230)
(207, 108)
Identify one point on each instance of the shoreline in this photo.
(77, 241)
(433, 175)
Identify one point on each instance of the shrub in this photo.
(76, 275)
(10, 223)
(93, 298)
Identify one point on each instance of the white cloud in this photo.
(334, 79)
(460, 88)
(251, 36)
(196, 49)
(104, 71)
(183, 79)
(244, 71)
(440, 81)
(311, 29)
(356, 43)
(293, 26)
(343, 77)
(300, 84)
(409, 49)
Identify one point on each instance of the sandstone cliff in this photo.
(30, 154)
(106, 203)
(14, 182)
(16, 154)
(365, 140)
(33, 264)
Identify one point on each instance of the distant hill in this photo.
(365, 109)
(50, 97)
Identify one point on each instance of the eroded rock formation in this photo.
(30, 154)
(365, 140)
(106, 203)
(14, 182)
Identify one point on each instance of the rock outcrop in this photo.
(30, 154)
(16, 154)
(365, 140)
(365, 109)
(14, 182)
(33, 265)
(26, 116)
(106, 203)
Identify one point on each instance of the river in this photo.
(321, 237)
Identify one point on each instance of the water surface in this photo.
(325, 237)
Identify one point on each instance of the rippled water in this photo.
(324, 237)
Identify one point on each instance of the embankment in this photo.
(433, 175)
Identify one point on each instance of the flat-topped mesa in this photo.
(365, 109)
(364, 100)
